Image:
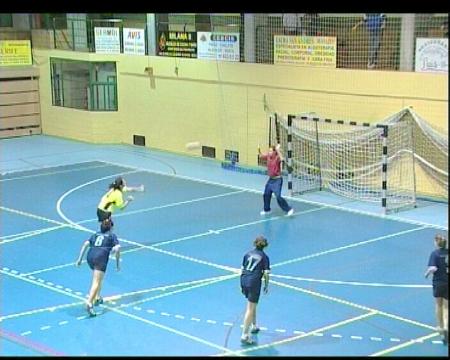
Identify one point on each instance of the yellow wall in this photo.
(222, 104)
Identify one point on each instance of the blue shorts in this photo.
(251, 289)
(98, 263)
(440, 289)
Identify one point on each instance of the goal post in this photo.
(362, 161)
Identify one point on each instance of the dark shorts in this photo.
(440, 289)
(97, 265)
(97, 262)
(251, 290)
(102, 214)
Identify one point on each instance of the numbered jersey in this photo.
(253, 265)
(439, 258)
(101, 244)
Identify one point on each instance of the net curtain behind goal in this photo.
(362, 161)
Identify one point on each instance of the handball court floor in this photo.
(345, 281)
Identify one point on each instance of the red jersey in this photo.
(273, 164)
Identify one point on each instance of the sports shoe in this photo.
(246, 340)
(90, 310)
(255, 330)
(98, 301)
(263, 213)
(290, 212)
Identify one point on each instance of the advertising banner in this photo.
(177, 44)
(431, 55)
(15, 53)
(107, 40)
(134, 41)
(218, 46)
(305, 50)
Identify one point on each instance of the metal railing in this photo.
(353, 43)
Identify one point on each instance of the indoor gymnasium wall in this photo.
(225, 105)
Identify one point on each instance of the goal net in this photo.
(361, 161)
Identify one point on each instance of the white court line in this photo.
(19, 212)
(167, 328)
(296, 199)
(310, 333)
(53, 172)
(204, 283)
(349, 246)
(349, 303)
(167, 287)
(169, 241)
(408, 343)
(6, 237)
(132, 212)
(114, 297)
(32, 233)
(349, 282)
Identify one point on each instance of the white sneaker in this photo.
(263, 213)
(246, 340)
(290, 212)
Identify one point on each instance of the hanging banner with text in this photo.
(305, 50)
(107, 40)
(431, 55)
(15, 53)
(218, 46)
(134, 41)
(177, 44)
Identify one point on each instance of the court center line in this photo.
(355, 283)
(406, 344)
(121, 312)
(349, 246)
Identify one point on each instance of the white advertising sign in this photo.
(133, 41)
(107, 40)
(431, 55)
(218, 46)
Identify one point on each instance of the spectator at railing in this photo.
(292, 24)
(375, 24)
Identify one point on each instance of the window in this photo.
(84, 85)
(6, 20)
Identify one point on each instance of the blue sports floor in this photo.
(345, 281)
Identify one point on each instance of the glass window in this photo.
(84, 85)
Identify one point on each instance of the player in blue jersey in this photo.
(100, 246)
(255, 266)
(438, 266)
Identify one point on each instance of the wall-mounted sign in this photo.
(218, 46)
(431, 55)
(177, 44)
(134, 41)
(107, 40)
(305, 50)
(15, 53)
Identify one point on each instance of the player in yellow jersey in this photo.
(113, 199)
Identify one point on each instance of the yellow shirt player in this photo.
(113, 199)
